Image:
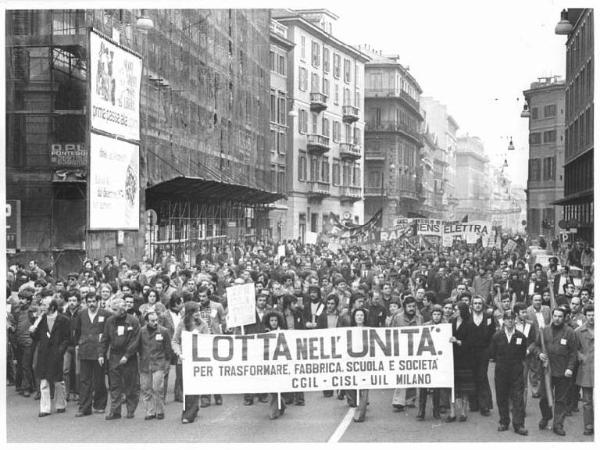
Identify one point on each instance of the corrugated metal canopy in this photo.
(193, 188)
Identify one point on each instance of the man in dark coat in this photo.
(87, 330)
(120, 336)
(483, 329)
(21, 320)
(508, 348)
(52, 333)
(70, 363)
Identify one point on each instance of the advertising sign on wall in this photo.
(114, 184)
(115, 76)
(68, 155)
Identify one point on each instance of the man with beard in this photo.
(87, 330)
(120, 337)
(70, 363)
(170, 320)
(155, 355)
(483, 329)
(314, 308)
(561, 355)
(213, 314)
(406, 317)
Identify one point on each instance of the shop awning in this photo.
(192, 188)
(576, 199)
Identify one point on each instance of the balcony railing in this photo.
(349, 151)
(397, 93)
(317, 144)
(318, 101)
(350, 113)
(350, 193)
(318, 189)
(392, 126)
(278, 28)
(375, 191)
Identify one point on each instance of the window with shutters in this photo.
(534, 169)
(549, 136)
(336, 65)
(326, 61)
(326, 86)
(534, 113)
(325, 127)
(535, 138)
(302, 121)
(549, 168)
(315, 121)
(302, 166)
(325, 170)
(336, 172)
(314, 83)
(347, 70)
(549, 111)
(315, 54)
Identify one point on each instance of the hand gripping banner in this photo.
(313, 360)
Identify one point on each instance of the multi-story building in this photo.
(507, 206)
(203, 130)
(443, 129)
(325, 154)
(426, 175)
(280, 108)
(393, 140)
(545, 182)
(472, 186)
(578, 200)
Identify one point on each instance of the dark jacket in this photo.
(52, 345)
(154, 346)
(561, 348)
(482, 333)
(508, 354)
(322, 320)
(72, 316)
(121, 336)
(87, 334)
(463, 354)
(21, 321)
(307, 312)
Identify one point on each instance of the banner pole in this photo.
(279, 400)
(357, 398)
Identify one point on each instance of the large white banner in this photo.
(314, 360)
(114, 184)
(115, 76)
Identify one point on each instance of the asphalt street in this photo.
(320, 420)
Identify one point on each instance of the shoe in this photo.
(340, 396)
(82, 414)
(130, 415)
(420, 417)
(160, 416)
(150, 417)
(522, 431)
(204, 403)
(263, 399)
(358, 420)
(398, 407)
(450, 419)
(179, 400)
(443, 410)
(327, 394)
(411, 405)
(559, 431)
(218, 401)
(300, 403)
(543, 424)
(185, 421)
(98, 411)
(37, 396)
(503, 428)
(485, 412)
(60, 410)
(43, 414)
(536, 395)
(112, 416)
(248, 402)
(588, 431)
(575, 410)
(26, 394)
(352, 404)
(436, 415)
(462, 418)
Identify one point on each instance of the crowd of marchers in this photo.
(100, 337)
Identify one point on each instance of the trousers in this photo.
(588, 407)
(71, 370)
(92, 386)
(359, 401)
(60, 400)
(124, 380)
(509, 382)
(560, 386)
(481, 398)
(152, 384)
(24, 370)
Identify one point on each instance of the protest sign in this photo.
(281, 251)
(311, 238)
(447, 239)
(510, 246)
(314, 360)
(241, 305)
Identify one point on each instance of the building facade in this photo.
(545, 180)
(204, 160)
(279, 127)
(325, 143)
(578, 200)
(472, 186)
(443, 128)
(393, 140)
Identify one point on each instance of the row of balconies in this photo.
(321, 189)
(393, 127)
(318, 144)
(318, 103)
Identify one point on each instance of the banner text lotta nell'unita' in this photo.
(313, 360)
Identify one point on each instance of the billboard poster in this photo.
(114, 184)
(115, 76)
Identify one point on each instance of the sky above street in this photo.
(475, 57)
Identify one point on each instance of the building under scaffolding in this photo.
(204, 154)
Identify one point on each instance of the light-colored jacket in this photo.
(585, 355)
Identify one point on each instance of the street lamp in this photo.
(564, 26)
(511, 146)
(144, 22)
(525, 113)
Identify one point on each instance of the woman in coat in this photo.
(358, 398)
(464, 383)
(52, 333)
